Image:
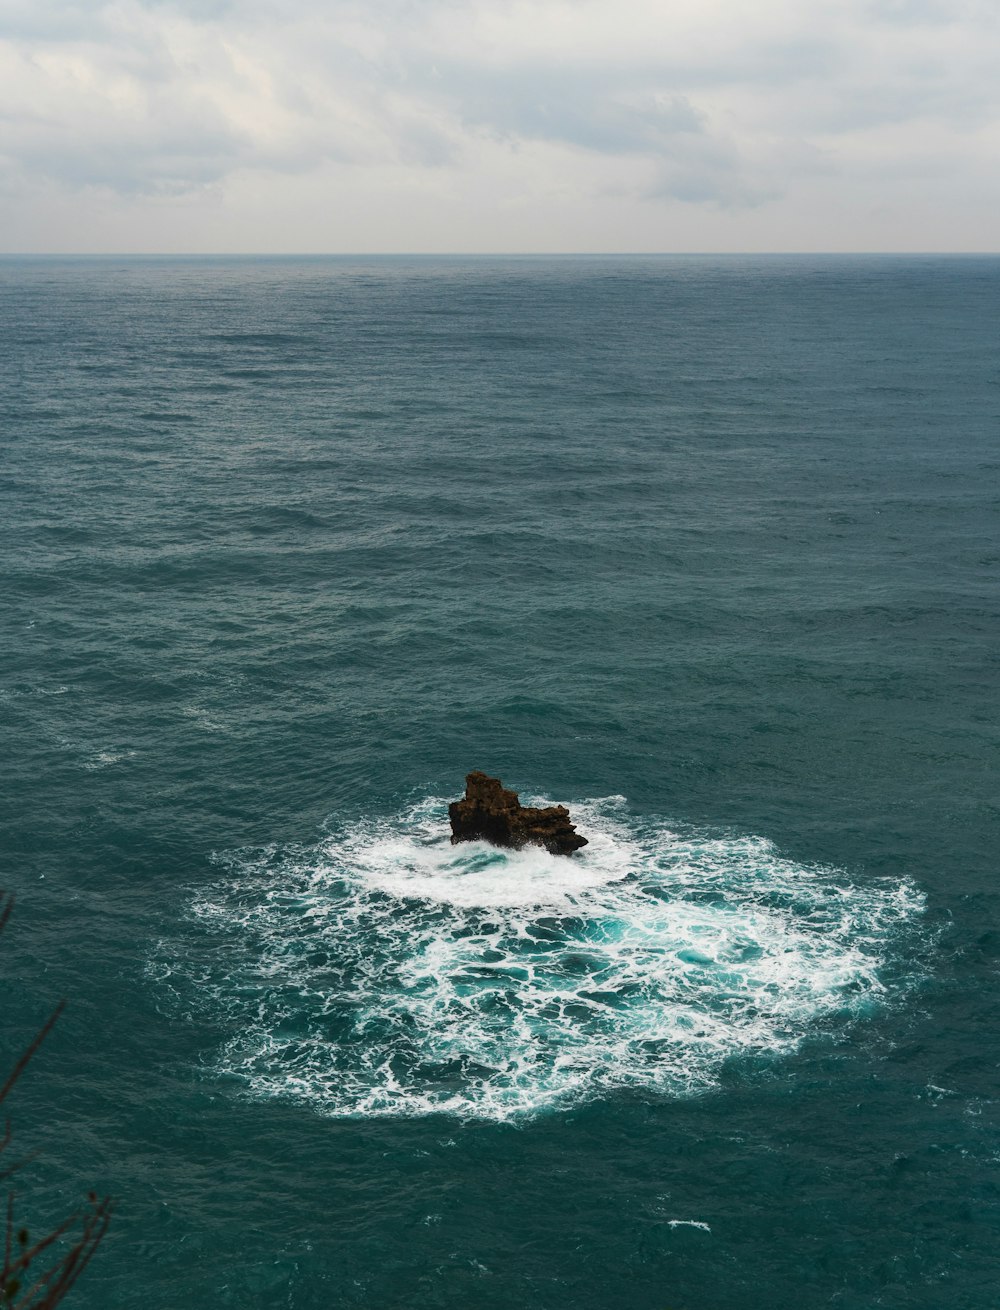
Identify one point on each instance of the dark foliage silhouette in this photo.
(37, 1272)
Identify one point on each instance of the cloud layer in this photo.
(502, 124)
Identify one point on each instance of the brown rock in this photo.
(489, 812)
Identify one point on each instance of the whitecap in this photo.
(103, 759)
(386, 972)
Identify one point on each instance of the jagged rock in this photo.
(489, 812)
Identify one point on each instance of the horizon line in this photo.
(485, 254)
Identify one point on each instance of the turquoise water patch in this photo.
(386, 972)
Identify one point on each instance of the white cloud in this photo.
(708, 112)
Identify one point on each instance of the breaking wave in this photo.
(385, 972)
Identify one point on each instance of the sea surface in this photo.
(706, 548)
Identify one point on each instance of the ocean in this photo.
(705, 548)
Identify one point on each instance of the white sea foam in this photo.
(102, 759)
(386, 972)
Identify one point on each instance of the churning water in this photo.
(386, 972)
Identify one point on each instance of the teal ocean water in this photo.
(705, 548)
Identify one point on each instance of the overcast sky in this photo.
(499, 125)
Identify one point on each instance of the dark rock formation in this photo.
(489, 812)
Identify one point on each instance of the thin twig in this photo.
(74, 1262)
(8, 1234)
(52, 1283)
(25, 1059)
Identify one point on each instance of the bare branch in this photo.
(36, 1042)
(19, 1252)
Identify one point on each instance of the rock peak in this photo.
(491, 812)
